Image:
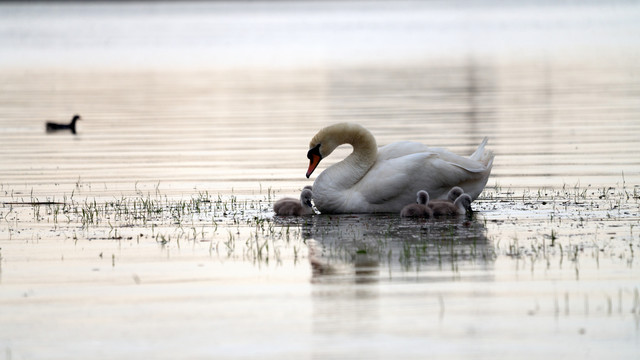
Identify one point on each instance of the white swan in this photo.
(385, 179)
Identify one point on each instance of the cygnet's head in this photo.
(422, 197)
(454, 193)
(463, 203)
(305, 198)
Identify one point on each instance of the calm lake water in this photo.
(150, 233)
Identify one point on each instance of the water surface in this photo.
(150, 233)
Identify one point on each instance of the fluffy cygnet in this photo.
(295, 207)
(420, 209)
(446, 208)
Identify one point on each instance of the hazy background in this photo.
(294, 34)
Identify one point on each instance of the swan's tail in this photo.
(482, 155)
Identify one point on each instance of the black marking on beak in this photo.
(314, 151)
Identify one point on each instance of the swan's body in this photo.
(385, 179)
(295, 207)
(51, 126)
(420, 208)
(460, 206)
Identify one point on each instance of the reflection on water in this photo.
(364, 248)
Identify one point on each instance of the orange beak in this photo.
(314, 157)
(313, 163)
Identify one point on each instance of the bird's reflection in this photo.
(367, 248)
(360, 263)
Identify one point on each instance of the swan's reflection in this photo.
(369, 269)
(367, 248)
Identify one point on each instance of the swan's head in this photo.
(76, 118)
(330, 137)
(323, 144)
(305, 197)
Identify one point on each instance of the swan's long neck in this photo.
(349, 171)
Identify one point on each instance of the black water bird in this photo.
(52, 127)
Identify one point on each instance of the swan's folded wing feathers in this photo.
(432, 171)
(463, 162)
(477, 162)
(469, 165)
(388, 179)
(478, 154)
(400, 149)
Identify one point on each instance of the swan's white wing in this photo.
(460, 161)
(404, 148)
(400, 149)
(394, 181)
(391, 178)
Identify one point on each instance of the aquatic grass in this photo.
(205, 218)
